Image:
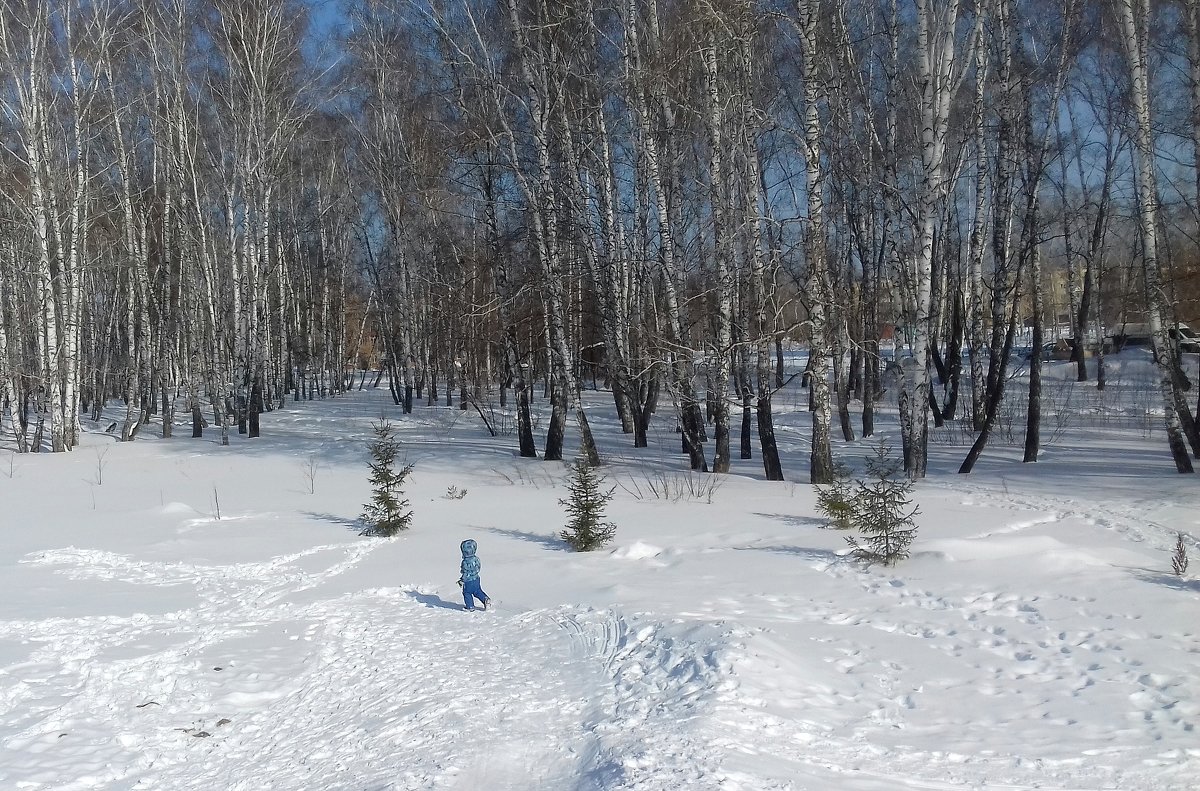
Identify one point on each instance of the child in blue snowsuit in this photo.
(470, 576)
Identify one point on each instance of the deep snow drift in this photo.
(177, 615)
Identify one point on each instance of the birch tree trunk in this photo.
(25, 41)
(761, 323)
(653, 110)
(542, 196)
(1134, 19)
(1033, 422)
(1010, 269)
(517, 368)
(1191, 23)
(1037, 152)
(937, 81)
(9, 369)
(719, 356)
(976, 247)
(815, 245)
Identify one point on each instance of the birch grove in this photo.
(703, 208)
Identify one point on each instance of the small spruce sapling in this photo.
(585, 502)
(883, 511)
(835, 502)
(1179, 559)
(387, 513)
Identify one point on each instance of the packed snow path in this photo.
(267, 684)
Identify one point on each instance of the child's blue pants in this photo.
(472, 591)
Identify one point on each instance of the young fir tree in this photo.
(387, 513)
(883, 511)
(586, 528)
(1179, 560)
(835, 502)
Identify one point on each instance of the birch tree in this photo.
(718, 358)
(1133, 17)
(815, 245)
(541, 192)
(262, 110)
(941, 68)
(1038, 151)
(51, 98)
(656, 118)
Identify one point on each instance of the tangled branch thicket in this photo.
(492, 202)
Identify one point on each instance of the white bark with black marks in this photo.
(1134, 20)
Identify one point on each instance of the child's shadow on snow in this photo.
(433, 600)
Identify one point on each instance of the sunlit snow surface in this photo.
(1036, 638)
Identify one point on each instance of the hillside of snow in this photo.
(177, 615)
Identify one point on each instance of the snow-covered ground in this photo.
(178, 615)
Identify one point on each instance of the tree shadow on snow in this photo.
(350, 524)
(826, 556)
(433, 600)
(1165, 579)
(553, 543)
(795, 521)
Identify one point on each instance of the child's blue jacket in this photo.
(470, 563)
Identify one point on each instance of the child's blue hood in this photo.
(468, 548)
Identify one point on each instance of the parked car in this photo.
(1183, 338)
(1026, 353)
(1186, 338)
(1060, 349)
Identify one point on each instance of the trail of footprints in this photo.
(976, 646)
(612, 707)
(251, 682)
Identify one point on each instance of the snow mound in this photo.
(638, 550)
(177, 508)
(996, 547)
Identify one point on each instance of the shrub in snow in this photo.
(1179, 560)
(835, 502)
(585, 503)
(883, 511)
(387, 513)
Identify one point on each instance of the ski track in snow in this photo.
(552, 699)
